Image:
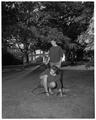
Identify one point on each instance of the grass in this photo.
(19, 102)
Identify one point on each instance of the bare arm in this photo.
(61, 54)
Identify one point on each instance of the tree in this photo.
(87, 38)
(17, 28)
(36, 23)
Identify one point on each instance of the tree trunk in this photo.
(27, 58)
(26, 53)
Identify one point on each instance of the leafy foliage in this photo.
(87, 37)
(34, 24)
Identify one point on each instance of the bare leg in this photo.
(45, 85)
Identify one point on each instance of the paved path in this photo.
(78, 67)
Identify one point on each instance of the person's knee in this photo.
(43, 76)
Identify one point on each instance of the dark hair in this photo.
(53, 40)
(56, 69)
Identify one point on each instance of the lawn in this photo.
(18, 101)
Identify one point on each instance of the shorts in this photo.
(58, 82)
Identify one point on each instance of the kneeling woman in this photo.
(51, 78)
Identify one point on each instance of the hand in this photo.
(47, 94)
